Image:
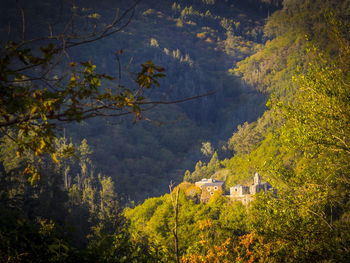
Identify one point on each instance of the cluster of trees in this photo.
(200, 227)
(72, 214)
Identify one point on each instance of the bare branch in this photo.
(8, 32)
(175, 204)
(177, 101)
(119, 66)
(96, 111)
(68, 41)
(160, 123)
(321, 217)
(50, 30)
(23, 20)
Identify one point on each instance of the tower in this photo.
(257, 179)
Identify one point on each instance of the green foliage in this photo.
(304, 154)
(207, 149)
(271, 67)
(202, 170)
(200, 226)
(22, 241)
(248, 136)
(300, 145)
(208, 2)
(293, 227)
(238, 47)
(70, 215)
(154, 42)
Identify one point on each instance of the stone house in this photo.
(244, 193)
(209, 186)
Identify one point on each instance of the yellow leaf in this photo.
(54, 157)
(36, 177)
(34, 109)
(38, 152)
(26, 171)
(42, 143)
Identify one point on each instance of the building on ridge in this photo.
(245, 193)
(238, 192)
(209, 186)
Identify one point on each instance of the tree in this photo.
(207, 149)
(175, 203)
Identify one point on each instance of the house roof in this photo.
(210, 182)
(214, 184)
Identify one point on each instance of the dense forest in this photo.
(110, 112)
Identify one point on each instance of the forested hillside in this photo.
(299, 145)
(75, 188)
(196, 43)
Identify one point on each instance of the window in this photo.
(236, 189)
(208, 188)
(215, 188)
(211, 193)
